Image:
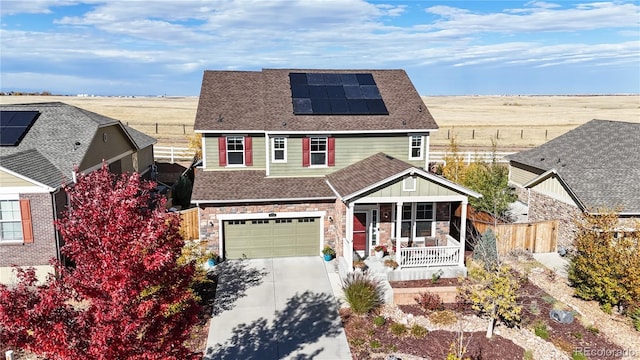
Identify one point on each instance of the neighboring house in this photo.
(44, 146)
(591, 169)
(294, 160)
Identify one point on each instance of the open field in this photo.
(516, 121)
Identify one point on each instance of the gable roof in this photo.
(598, 161)
(261, 101)
(377, 170)
(47, 153)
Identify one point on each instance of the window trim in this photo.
(235, 151)
(420, 147)
(24, 220)
(273, 149)
(325, 152)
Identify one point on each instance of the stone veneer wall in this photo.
(209, 224)
(522, 193)
(442, 230)
(542, 207)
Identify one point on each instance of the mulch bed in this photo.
(367, 339)
(536, 306)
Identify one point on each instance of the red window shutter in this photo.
(25, 214)
(248, 152)
(222, 151)
(306, 144)
(331, 151)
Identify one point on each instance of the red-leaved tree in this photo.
(127, 297)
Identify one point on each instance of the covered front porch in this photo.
(419, 234)
(407, 210)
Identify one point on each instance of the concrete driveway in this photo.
(282, 308)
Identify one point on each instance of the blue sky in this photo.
(446, 47)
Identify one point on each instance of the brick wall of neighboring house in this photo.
(210, 227)
(43, 247)
(542, 207)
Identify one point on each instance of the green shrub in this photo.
(362, 292)
(592, 329)
(549, 299)
(541, 331)
(528, 355)
(375, 344)
(576, 355)
(379, 321)
(634, 314)
(418, 331)
(606, 308)
(398, 329)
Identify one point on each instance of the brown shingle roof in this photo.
(253, 185)
(262, 101)
(365, 173)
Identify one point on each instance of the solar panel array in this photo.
(14, 125)
(335, 94)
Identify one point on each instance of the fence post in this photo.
(9, 355)
(172, 160)
(545, 134)
(156, 128)
(184, 129)
(521, 132)
(468, 157)
(498, 134)
(473, 134)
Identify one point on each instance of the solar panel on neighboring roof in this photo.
(335, 94)
(14, 125)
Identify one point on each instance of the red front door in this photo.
(360, 231)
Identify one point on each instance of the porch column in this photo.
(463, 230)
(398, 230)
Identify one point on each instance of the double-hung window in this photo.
(235, 150)
(424, 219)
(416, 146)
(10, 221)
(279, 146)
(318, 151)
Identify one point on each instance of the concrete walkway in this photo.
(553, 261)
(281, 308)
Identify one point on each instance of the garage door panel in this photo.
(264, 238)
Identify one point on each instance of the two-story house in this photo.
(43, 147)
(294, 160)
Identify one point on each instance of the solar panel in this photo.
(14, 125)
(302, 106)
(339, 107)
(335, 94)
(298, 78)
(321, 107)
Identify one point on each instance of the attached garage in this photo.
(265, 238)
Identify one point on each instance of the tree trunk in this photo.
(492, 321)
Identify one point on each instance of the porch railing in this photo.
(347, 253)
(426, 256)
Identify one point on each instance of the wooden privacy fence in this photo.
(537, 237)
(189, 224)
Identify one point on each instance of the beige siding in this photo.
(145, 159)
(554, 189)
(423, 187)
(349, 150)
(117, 144)
(521, 174)
(212, 159)
(7, 180)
